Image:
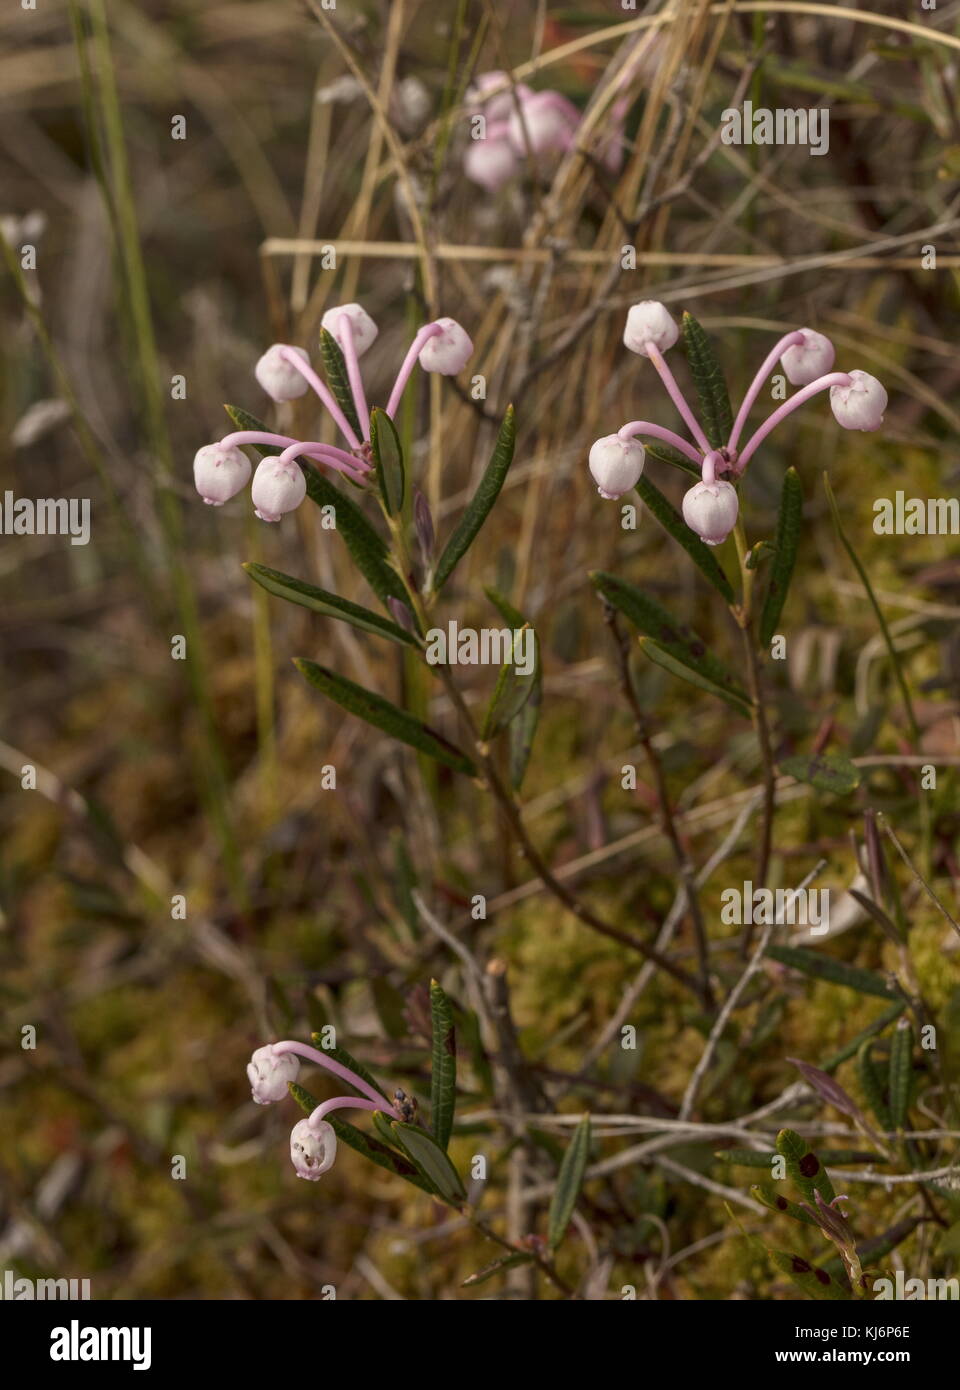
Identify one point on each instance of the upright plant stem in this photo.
(687, 876)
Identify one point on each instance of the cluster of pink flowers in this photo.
(221, 470)
(710, 508)
(313, 1142)
(519, 121)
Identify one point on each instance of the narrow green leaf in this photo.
(443, 1076)
(431, 1160)
(765, 1194)
(871, 1085)
(569, 1181)
(335, 370)
(653, 620)
(804, 1167)
(511, 692)
(788, 539)
(330, 605)
(671, 521)
(712, 395)
(901, 1072)
(384, 715)
(366, 546)
(664, 453)
(885, 923)
(814, 1281)
(877, 1026)
(519, 1257)
(523, 726)
(745, 1158)
(663, 658)
(838, 972)
(388, 457)
(828, 772)
(245, 421)
(481, 503)
(369, 1148)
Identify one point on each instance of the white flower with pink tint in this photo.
(279, 375)
(269, 1072)
(313, 1148)
(650, 322)
(220, 471)
(546, 120)
(859, 404)
(804, 361)
(490, 162)
(278, 487)
(710, 509)
(447, 351)
(616, 465)
(363, 328)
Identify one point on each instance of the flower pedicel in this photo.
(221, 470)
(711, 507)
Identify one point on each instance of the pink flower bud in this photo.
(448, 351)
(313, 1148)
(277, 488)
(364, 328)
(711, 510)
(550, 122)
(219, 472)
(860, 405)
(498, 107)
(804, 362)
(616, 465)
(279, 379)
(269, 1073)
(650, 322)
(490, 162)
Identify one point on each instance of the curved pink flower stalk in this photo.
(636, 427)
(352, 359)
(346, 1103)
(305, 370)
(343, 462)
(804, 394)
(312, 1054)
(769, 362)
(428, 331)
(676, 395)
(283, 441)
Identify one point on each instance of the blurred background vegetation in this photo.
(160, 257)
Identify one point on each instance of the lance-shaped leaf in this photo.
(443, 1076)
(665, 453)
(838, 972)
(427, 1154)
(712, 395)
(663, 658)
(512, 690)
(653, 620)
(366, 546)
(765, 1194)
(745, 1158)
(871, 1084)
(243, 420)
(885, 924)
(814, 1281)
(384, 715)
(335, 370)
(481, 503)
(803, 1166)
(901, 1073)
(788, 539)
(829, 1090)
(877, 1026)
(519, 1257)
(569, 1181)
(330, 605)
(828, 772)
(388, 457)
(672, 522)
(523, 726)
(370, 1148)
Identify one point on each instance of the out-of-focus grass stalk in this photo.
(264, 684)
(926, 820)
(101, 98)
